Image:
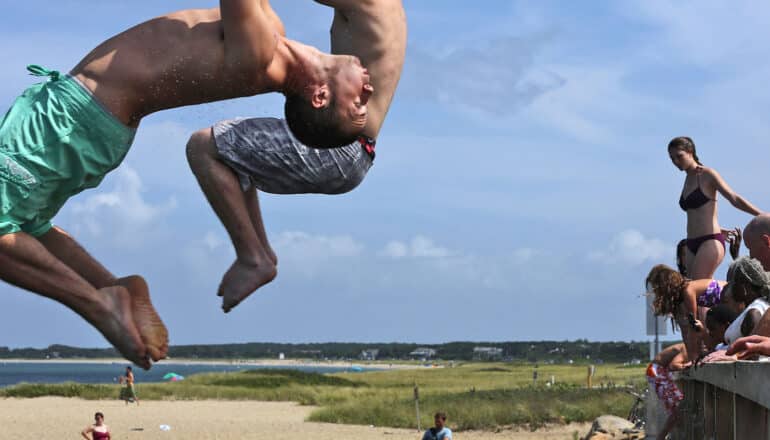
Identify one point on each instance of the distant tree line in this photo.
(579, 351)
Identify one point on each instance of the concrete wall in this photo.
(728, 401)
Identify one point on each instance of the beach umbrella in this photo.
(173, 377)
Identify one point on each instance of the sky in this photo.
(522, 188)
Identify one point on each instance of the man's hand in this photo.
(750, 346)
(734, 237)
(718, 356)
(679, 366)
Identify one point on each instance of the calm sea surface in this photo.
(15, 372)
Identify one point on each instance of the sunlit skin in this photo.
(369, 33)
(702, 221)
(98, 426)
(182, 58)
(750, 346)
(353, 89)
(757, 240)
(673, 358)
(339, 80)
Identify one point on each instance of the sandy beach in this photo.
(60, 418)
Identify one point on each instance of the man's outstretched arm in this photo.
(273, 18)
(250, 38)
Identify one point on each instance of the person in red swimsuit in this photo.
(705, 238)
(661, 382)
(98, 431)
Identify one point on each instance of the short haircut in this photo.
(98, 414)
(440, 415)
(720, 314)
(316, 127)
(758, 226)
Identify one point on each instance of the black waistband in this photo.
(367, 144)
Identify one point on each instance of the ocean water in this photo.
(12, 373)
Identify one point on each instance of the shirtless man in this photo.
(268, 154)
(129, 393)
(62, 136)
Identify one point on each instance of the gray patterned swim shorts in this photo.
(265, 155)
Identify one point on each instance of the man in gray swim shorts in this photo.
(232, 159)
(265, 155)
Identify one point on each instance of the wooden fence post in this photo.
(417, 406)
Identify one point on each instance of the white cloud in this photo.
(213, 241)
(121, 214)
(159, 154)
(595, 105)
(524, 255)
(632, 247)
(419, 247)
(304, 246)
(498, 77)
(706, 32)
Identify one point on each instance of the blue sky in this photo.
(522, 188)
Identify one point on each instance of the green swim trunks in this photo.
(55, 141)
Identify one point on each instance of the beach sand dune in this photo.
(62, 418)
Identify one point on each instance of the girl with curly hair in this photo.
(679, 298)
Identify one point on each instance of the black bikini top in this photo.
(695, 199)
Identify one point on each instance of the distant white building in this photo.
(370, 354)
(423, 353)
(487, 353)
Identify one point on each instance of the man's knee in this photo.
(200, 147)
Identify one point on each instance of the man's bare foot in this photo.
(148, 323)
(241, 280)
(116, 323)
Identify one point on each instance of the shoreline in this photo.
(289, 363)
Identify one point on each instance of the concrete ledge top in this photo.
(750, 379)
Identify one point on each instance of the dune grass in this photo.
(475, 395)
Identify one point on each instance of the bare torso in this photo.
(671, 354)
(375, 32)
(703, 220)
(170, 61)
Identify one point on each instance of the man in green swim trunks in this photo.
(62, 136)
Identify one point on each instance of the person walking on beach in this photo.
(97, 431)
(439, 431)
(63, 135)
(705, 239)
(128, 393)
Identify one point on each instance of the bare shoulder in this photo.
(672, 351)
(679, 347)
(372, 8)
(709, 172)
(713, 179)
(352, 4)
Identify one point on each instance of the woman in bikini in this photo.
(705, 239)
(98, 431)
